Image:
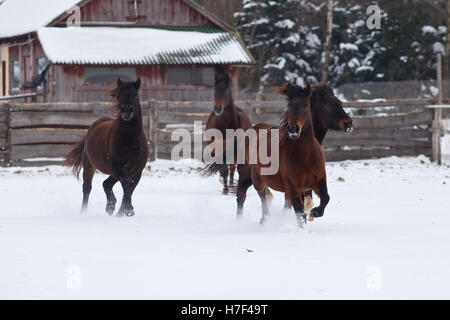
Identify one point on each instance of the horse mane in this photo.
(320, 91)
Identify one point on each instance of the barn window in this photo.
(40, 67)
(189, 76)
(16, 75)
(109, 74)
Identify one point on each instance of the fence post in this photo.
(437, 121)
(153, 129)
(7, 150)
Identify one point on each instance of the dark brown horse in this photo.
(226, 116)
(115, 146)
(301, 158)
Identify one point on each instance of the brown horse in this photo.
(301, 162)
(117, 147)
(327, 113)
(226, 116)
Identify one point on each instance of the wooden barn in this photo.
(74, 51)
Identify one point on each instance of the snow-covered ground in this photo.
(386, 234)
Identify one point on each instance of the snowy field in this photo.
(385, 234)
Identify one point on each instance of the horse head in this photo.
(222, 90)
(127, 96)
(298, 114)
(327, 110)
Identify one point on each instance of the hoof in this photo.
(263, 221)
(316, 213)
(225, 192)
(110, 209)
(126, 213)
(301, 220)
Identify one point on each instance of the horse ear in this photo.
(137, 84)
(285, 90)
(308, 90)
(115, 92)
(120, 83)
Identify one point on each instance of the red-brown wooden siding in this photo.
(151, 12)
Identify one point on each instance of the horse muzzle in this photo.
(218, 110)
(293, 132)
(126, 116)
(348, 126)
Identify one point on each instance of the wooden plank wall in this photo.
(150, 12)
(402, 133)
(47, 131)
(3, 134)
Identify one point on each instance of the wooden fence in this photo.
(40, 134)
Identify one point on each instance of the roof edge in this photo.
(65, 14)
(201, 9)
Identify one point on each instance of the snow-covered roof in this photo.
(18, 17)
(113, 45)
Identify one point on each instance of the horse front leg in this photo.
(111, 200)
(297, 203)
(322, 192)
(129, 185)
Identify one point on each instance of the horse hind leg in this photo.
(244, 182)
(111, 200)
(224, 178)
(261, 187)
(88, 174)
(232, 170)
(269, 196)
(287, 203)
(308, 201)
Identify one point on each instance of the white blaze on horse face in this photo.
(214, 151)
(183, 149)
(239, 136)
(274, 159)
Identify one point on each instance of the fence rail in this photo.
(46, 131)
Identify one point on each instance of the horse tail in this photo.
(215, 167)
(74, 158)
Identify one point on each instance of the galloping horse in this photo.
(226, 116)
(115, 146)
(327, 113)
(301, 162)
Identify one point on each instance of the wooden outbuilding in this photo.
(74, 51)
